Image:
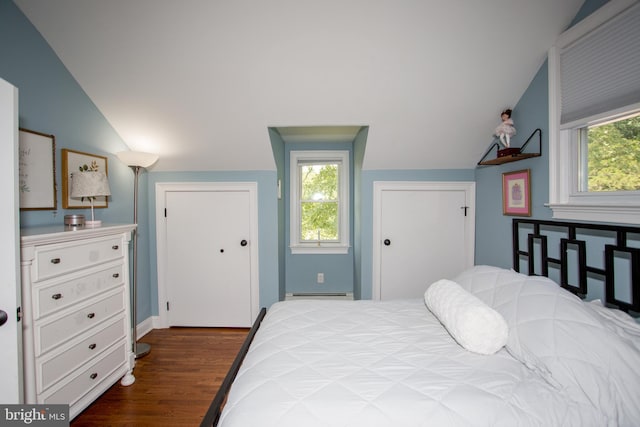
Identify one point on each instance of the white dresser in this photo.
(76, 313)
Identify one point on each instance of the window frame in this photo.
(320, 156)
(565, 200)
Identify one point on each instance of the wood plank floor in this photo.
(175, 383)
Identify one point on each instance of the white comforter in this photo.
(369, 363)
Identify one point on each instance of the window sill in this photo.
(629, 214)
(319, 250)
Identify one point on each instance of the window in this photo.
(609, 156)
(594, 103)
(319, 202)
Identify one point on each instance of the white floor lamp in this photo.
(136, 160)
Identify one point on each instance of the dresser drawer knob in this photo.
(56, 296)
(93, 376)
(115, 247)
(116, 275)
(55, 261)
(91, 315)
(92, 346)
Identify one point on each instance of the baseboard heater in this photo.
(319, 295)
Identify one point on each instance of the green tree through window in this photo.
(319, 202)
(614, 156)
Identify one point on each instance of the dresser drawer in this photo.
(49, 299)
(76, 319)
(50, 334)
(53, 260)
(88, 378)
(70, 359)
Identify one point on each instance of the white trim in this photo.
(469, 189)
(162, 189)
(147, 325)
(291, 296)
(341, 247)
(13, 368)
(325, 248)
(618, 113)
(564, 200)
(598, 213)
(558, 179)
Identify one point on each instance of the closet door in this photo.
(10, 327)
(424, 233)
(208, 258)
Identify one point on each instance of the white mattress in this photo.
(390, 363)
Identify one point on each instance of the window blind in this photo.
(600, 72)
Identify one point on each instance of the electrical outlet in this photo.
(320, 278)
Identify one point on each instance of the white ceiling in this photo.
(201, 81)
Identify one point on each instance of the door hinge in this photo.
(19, 314)
(167, 305)
(165, 212)
(465, 209)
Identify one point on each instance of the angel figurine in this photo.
(505, 130)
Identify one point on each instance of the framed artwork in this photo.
(37, 170)
(75, 161)
(516, 193)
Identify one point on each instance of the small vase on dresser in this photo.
(76, 313)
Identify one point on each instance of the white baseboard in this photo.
(318, 295)
(147, 325)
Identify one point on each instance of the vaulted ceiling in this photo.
(200, 81)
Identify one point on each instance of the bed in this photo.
(559, 361)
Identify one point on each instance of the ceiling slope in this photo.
(201, 81)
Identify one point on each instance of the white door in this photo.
(425, 233)
(209, 258)
(10, 330)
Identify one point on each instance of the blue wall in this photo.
(493, 230)
(277, 146)
(52, 102)
(301, 269)
(359, 147)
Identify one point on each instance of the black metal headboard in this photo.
(576, 241)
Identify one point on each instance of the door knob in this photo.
(387, 242)
(3, 317)
(243, 242)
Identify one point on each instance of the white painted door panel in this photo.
(209, 268)
(10, 331)
(424, 236)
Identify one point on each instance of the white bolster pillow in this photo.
(473, 324)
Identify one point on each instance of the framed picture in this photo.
(75, 161)
(516, 193)
(37, 170)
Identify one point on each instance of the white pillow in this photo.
(472, 323)
(558, 335)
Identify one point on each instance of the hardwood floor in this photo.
(175, 383)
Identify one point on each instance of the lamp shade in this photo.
(89, 184)
(137, 158)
